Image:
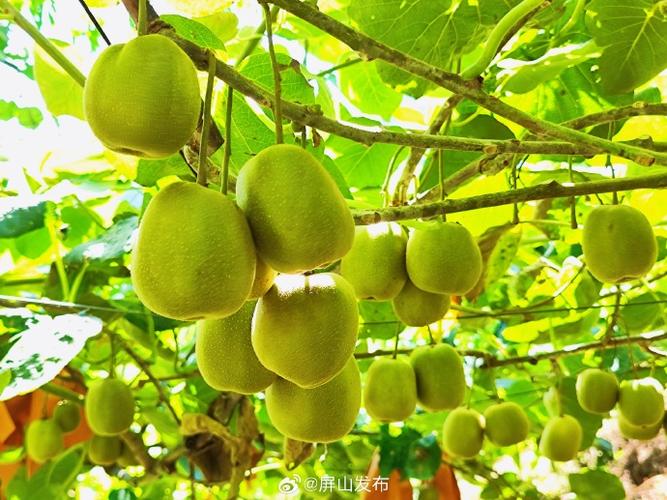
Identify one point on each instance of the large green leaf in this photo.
(634, 36)
(44, 348)
(362, 85)
(20, 217)
(293, 84)
(112, 245)
(435, 31)
(597, 485)
(61, 93)
(151, 171)
(194, 31)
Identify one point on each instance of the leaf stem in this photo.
(7, 8)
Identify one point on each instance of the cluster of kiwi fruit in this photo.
(641, 404)
(109, 411)
(44, 438)
(200, 256)
(250, 271)
(109, 408)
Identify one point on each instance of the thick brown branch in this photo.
(552, 189)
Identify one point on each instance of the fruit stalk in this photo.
(7, 8)
(277, 100)
(142, 18)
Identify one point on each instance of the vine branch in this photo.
(549, 190)
(373, 49)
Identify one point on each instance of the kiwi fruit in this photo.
(640, 432)
(597, 390)
(104, 450)
(305, 327)
(561, 438)
(390, 393)
(67, 415)
(641, 402)
(506, 424)
(463, 433)
(375, 266)
(618, 243)
(264, 277)
(320, 415)
(225, 357)
(443, 258)
(142, 97)
(295, 228)
(194, 257)
(440, 379)
(109, 407)
(43, 440)
(415, 307)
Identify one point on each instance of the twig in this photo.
(206, 117)
(374, 49)
(7, 8)
(146, 369)
(95, 22)
(552, 189)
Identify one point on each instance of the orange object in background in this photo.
(18, 412)
(397, 488)
(445, 483)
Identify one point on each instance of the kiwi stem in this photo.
(573, 200)
(515, 207)
(142, 18)
(42, 41)
(112, 357)
(398, 333)
(206, 121)
(277, 92)
(227, 154)
(430, 335)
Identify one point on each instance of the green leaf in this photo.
(361, 165)
(640, 312)
(394, 450)
(249, 133)
(362, 85)
(378, 319)
(597, 485)
(112, 245)
(224, 25)
(194, 31)
(293, 85)
(431, 30)
(19, 216)
(61, 93)
(424, 458)
(27, 117)
(151, 171)
(482, 127)
(44, 348)
(525, 76)
(634, 36)
(66, 467)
